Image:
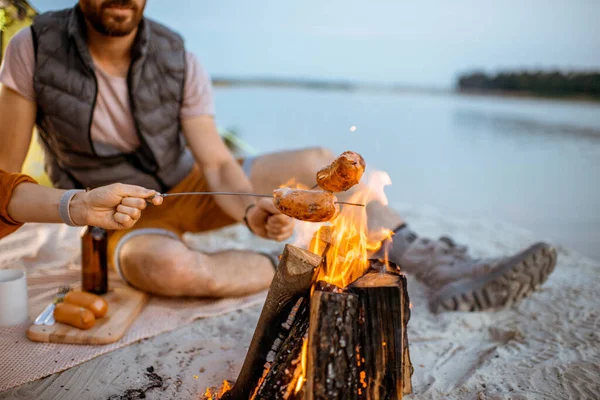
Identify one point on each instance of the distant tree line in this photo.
(554, 83)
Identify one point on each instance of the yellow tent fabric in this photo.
(9, 25)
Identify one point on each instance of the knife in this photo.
(46, 317)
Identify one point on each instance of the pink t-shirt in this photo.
(112, 122)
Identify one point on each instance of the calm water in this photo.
(533, 163)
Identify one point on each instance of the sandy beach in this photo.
(439, 96)
(545, 347)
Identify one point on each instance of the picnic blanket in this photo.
(50, 254)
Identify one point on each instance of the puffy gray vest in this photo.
(66, 87)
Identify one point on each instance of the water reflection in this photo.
(522, 127)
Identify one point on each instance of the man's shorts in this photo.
(177, 215)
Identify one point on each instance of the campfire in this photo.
(334, 322)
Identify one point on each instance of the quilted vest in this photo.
(65, 86)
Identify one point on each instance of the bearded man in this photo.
(117, 98)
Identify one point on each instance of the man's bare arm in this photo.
(221, 169)
(115, 206)
(17, 116)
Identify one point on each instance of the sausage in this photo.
(343, 173)
(92, 302)
(77, 316)
(306, 205)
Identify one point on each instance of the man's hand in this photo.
(268, 222)
(115, 206)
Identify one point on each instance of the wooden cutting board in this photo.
(124, 305)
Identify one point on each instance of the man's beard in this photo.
(108, 24)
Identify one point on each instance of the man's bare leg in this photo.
(167, 267)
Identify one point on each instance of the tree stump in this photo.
(333, 361)
(384, 313)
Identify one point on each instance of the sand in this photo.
(545, 347)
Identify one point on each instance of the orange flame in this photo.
(260, 381)
(303, 361)
(225, 388)
(351, 242)
(294, 184)
(214, 394)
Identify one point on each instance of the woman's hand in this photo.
(266, 221)
(116, 206)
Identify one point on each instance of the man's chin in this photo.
(118, 27)
(113, 21)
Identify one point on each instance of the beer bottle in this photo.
(94, 267)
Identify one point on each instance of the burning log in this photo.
(346, 340)
(342, 343)
(292, 282)
(333, 359)
(384, 313)
(281, 379)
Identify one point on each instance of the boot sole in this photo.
(520, 276)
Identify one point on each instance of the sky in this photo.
(417, 43)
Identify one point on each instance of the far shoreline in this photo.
(526, 95)
(350, 86)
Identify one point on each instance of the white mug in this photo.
(13, 297)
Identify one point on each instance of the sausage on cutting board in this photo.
(73, 315)
(92, 302)
(306, 205)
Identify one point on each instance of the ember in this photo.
(303, 358)
(214, 393)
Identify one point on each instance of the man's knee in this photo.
(309, 161)
(272, 170)
(316, 157)
(169, 272)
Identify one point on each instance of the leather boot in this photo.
(458, 282)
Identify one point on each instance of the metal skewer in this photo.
(239, 194)
(214, 193)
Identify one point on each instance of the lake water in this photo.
(532, 163)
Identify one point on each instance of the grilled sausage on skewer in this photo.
(343, 173)
(306, 205)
